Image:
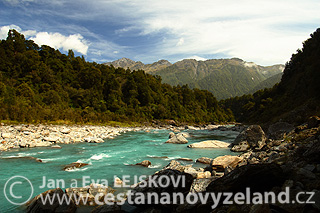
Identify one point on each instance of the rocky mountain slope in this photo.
(223, 77)
(138, 65)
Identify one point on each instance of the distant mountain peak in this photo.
(137, 65)
(250, 64)
(223, 77)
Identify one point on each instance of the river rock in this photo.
(36, 204)
(171, 135)
(93, 140)
(117, 182)
(175, 165)
(144, 163)
(191, 128)
(108, 208)
(204, 160)
(184, 134)
(160, 179)
(65, 130)
(259, 177)
(313, 122)
(241, 147)
(177, 139)
(51, 139)
(205, 174)
(278, 130)
(6, 135)
(192, 171)
(252, 137)
(226, 161)
(185, 159)
(200, 185)
(210, 144)
(89, 193)
(74, 165)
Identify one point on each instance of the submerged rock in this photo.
(144, 163)
(73, 166)
(185, 159)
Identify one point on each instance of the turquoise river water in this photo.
(106, 160)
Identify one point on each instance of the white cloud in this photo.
(180, 42)
(56, 40)
(75, 42)
(266, 32)
(5, 29)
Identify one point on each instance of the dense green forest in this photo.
(39, 84)
(294, 99)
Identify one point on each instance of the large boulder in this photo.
(178, 139)
(89, 193)
(200, 185)
(278, 130)
(222, 162)
(165, 181)
(108, 208)
(175, 165)
(210, 144)
(257, 177)
(36, 204)
(251, 138)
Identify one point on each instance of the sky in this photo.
(266, 32)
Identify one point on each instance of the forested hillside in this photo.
(225, 78)
(40, 84)
(294, 99)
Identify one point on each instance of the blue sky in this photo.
(265, 32)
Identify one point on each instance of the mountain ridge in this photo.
(225, 78)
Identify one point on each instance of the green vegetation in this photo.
(225, 78)
(294, 99)
(40, 84)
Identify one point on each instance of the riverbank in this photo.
(41, 135)
(281, 159)
(49, 135)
